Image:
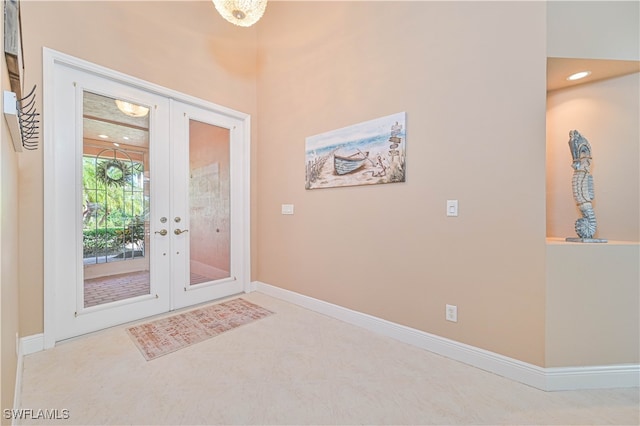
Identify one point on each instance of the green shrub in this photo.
(99, 241)
(108, 241)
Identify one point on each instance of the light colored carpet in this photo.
(166, 335)
(297, 367)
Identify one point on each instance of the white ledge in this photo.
(562, 241)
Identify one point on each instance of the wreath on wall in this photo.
(113, 173)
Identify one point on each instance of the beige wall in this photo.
(471, 77)
(607, 113)
(593, 304)
(9, 261)
(592, 290)
(182, 45)
(8, 256)
(594, 29)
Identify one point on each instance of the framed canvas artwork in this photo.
(367, 153)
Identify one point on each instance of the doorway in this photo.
(140, 186)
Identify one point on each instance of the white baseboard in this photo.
(593, 377)
(24, 346)
(32, 344)
(17, 393)
(548, 379)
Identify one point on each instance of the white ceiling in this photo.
(101, 116)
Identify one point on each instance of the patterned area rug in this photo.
(166, 335)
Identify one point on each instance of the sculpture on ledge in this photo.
(583, 188)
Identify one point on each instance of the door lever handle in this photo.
(180, 231)
(162, 232)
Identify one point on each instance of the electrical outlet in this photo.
(451, 313)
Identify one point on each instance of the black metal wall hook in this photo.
(27, 115)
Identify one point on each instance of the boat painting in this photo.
(367, 153)
(348, 164)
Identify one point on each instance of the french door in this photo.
(145, 200)
(203, 188)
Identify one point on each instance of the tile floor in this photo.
(295, 367)
(115, 287)
(124, 286)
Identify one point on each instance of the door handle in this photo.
(162, 232)
(180, 231)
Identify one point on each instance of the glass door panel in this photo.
(115, 200)
(209, 203)
(206, 204)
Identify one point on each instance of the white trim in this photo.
(246, 203)
(32, 344)
(593, 377)
(49, 203)
(548, 379)
(24, 346)
(17, 393)
(253, 286)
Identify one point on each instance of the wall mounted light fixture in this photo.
(243, 13)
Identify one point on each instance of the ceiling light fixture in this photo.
(243, 13)
(579, 75)
(103, 136)
(132, 110)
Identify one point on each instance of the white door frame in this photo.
(52, 256)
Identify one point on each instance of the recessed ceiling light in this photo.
(103, 136)
(579, 75)
(116, 144)
(126, 138)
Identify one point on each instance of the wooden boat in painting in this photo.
(348, 164)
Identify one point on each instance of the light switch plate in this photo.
(452, 207)
(287, 209)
